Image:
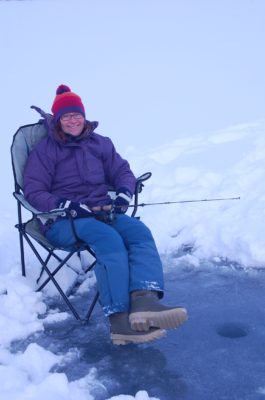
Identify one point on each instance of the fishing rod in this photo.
(185, 201)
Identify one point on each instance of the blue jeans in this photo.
(127, 257)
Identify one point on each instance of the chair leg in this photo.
(51, 275)
(90, 267)
(21, 229)
(42, 269)
(58, 287)
(92, 306)
(22, 254)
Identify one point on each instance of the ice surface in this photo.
(223, 340)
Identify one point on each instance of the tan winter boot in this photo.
(122, 333)
(147, 312)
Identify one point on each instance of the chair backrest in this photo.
(25, 138)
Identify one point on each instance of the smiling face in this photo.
(72, 123)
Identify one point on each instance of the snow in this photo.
(141, 395)
(26, 376)
(225, 161)
(225, 164)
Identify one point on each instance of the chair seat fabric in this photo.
(33, 229)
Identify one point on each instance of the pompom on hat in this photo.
(66, 101)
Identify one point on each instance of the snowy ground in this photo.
(214, 259)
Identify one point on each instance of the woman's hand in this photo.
(122, 201)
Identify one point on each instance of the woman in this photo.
(72, 168)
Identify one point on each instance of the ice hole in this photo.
(232, 330)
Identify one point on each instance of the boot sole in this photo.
(167, 319)
(119, 339)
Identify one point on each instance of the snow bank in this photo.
(229, 163)
(27, 376)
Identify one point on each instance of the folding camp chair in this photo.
(24, 140)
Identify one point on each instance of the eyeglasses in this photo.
(68, 117)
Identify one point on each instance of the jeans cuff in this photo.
(115, 308)
(148, 285)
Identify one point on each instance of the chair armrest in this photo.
(144, 176)
(139, 181)
(48, 214)
(138, 188)
(45, 216)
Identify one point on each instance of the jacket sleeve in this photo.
(38, 174)
(117, 169)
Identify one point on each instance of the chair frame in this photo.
(25, 235)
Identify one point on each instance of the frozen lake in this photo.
(218, 354)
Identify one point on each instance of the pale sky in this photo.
(148, 70)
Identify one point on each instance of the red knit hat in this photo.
(65, 102)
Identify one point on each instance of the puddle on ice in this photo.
(217, 354)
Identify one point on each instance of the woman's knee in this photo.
(99, 235)
(61, 234)
(133, 230)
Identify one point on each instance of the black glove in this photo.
(77, 210)
(122, 201)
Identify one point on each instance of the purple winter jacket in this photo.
(79, 170)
